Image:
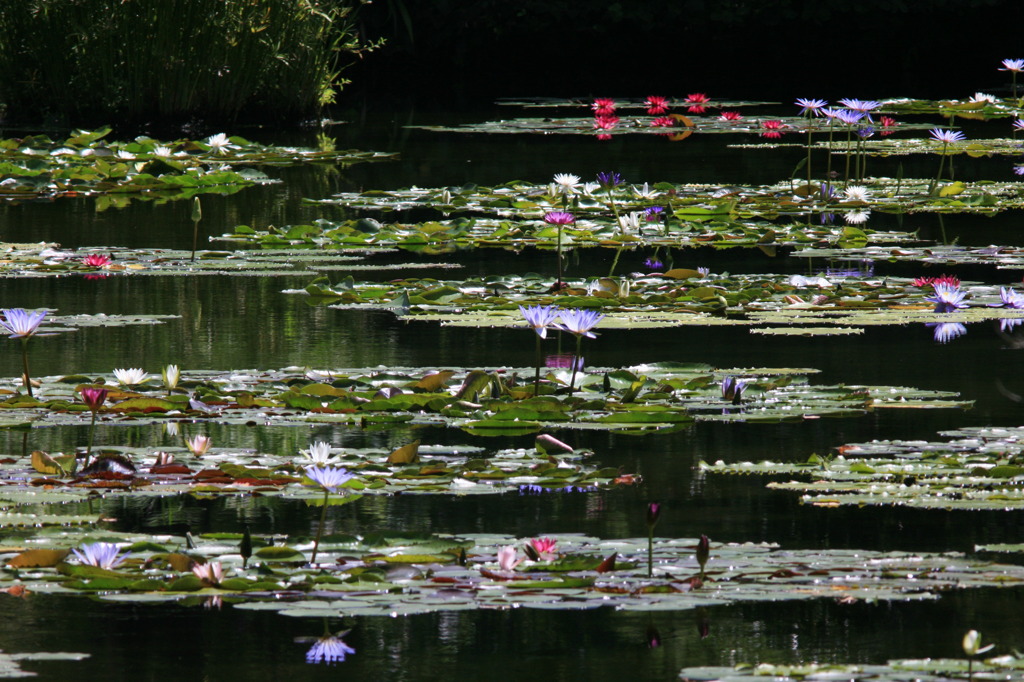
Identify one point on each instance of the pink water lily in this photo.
(545, 548)
(96, 260)
(507, 558)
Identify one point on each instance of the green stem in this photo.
(536, 376)
(849, 151)
(24, 361)
(828, 171)
(92, 434)
(650, 553)
(320, 528)
(938, 176)
(195, 237)
(809, 181)
(615, 263)
(575, 362)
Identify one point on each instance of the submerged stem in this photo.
(536, 376)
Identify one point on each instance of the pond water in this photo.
(245, 322)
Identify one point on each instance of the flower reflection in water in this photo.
(329, 649)
(947, 331)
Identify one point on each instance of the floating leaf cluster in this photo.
(980, 468)
(395, 573)
(85, 164)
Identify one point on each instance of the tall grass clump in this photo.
(174, 59)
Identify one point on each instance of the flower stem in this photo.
(24, 361)
(536, 376)
(810, 128)
(650, 552)
(320, 528)
(575, 363)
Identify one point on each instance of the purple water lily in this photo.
(947, 298)
(540, 317)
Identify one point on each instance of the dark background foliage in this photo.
(733, 48)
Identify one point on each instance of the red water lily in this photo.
(96, 260)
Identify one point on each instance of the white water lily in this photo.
(198, 445)
(857, 193)
(567, 183)
(983, 97)
(127, 156)
(645, 192)
(590, 187)
(630, 221)
(220, 144)
(212, 572)
(857, 217)
(131, 377)
(162, 151)
(319, 452)
(171, 375)
(972, 644)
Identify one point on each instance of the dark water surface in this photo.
(243, 322)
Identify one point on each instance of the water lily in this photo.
(732, 389)
(567, 183)
(606, 122)
(703, 553)
(559, 219)
(609, 180)
(653, 264)
(327, 478)
(96, 260)
(540, 317)
(663, 122)
(857, 193)
(983, 97)
(946, 136)
(220, 144)
(696, 102)
(507, 558)
(972, 647)
(100, 554)
(544, 547)
(703, 271)
(944, 332)
(772, 129)
(656, 105)
(211, 573)
(810, 107)
(579, 322)
(319, 452)
(888, 123)
(198, 445)
(162, 151)
(170, 376)
(1014, 66)
(1011, 299)
(947, 298)
(94, 399)
(654, 214)
(864, 107)
(730, 116)
(131, 377)
(603, 106)
(328, 649)
(22, 324)
(857, 217)
(849, 117)
(950, 280)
